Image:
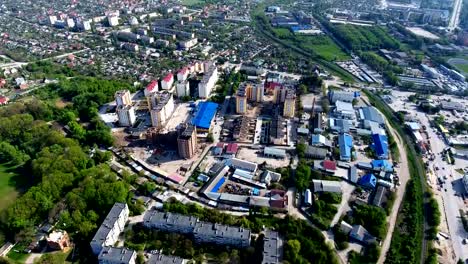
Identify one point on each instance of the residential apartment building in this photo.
(183, 88)
(167, 81)
(209, 80)
(161, 106)
(110, 229)
(289, 109)
(182, 74)
(187, 142)
(126, 115)
(203, 232)
(152, 88)
(241, 100)
(122, 97)
(165, 259)
(206, 232)
(112, 255)
(169, 222)
(272, 247)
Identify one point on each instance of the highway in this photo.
(455, 16)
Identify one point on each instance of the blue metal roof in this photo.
(368, 181)
(346, 143)
(218, 185)
(384, 165)
(380, 145)
(205, 113)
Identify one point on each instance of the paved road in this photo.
(455, 16)
(450, 193)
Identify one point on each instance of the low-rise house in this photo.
(315, 153)
(58, 240)
(327, 186)
(360, 234)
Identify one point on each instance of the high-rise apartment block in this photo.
(187, 142)
(126, 115)
(209, 80)
(161, 106)
(241, 100)
(122, 97)
(289, 104)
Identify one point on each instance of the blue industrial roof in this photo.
(368, 181)
(218, 185)
(300, 27)
(384, 165)
(346, 143)
(380, 145)
(205, 113)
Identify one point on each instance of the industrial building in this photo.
(110, 229)
(345, 142)
(204, 115)
(380, 145)
(187, 142)
(344, 110)
(343, 96)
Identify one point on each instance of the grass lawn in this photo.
(17, 257)
(192, 2)
(462, 67)
(8, 184)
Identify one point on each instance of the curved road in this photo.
(403, 173)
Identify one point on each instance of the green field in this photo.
(462, 67)
(320, 45)
(8, 183)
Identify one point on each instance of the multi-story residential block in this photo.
(110, 229)
(167, 81)
(188, 44)
(182, 74)
(272, 247)
(289, 104)
(161, 107)
(182, 88)
(187, 142)
(112, 255)
(126, 115)
(209, 80)
(113, 21)
(152, 88)
(169, 222)
(203, 232)
(241, 100)
(165, 259)
(206, 232)
(279, 93)
(122, 97)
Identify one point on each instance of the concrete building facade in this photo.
(122, 97)
(110, 229)
(187, 142)
(126, 115)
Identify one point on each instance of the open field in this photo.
(320, 45)
(461, 63)
(8, 192)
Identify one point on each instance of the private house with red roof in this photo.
(4, 100)
(232, 148)
(151, 88)
(326, 166)
(167, 81)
